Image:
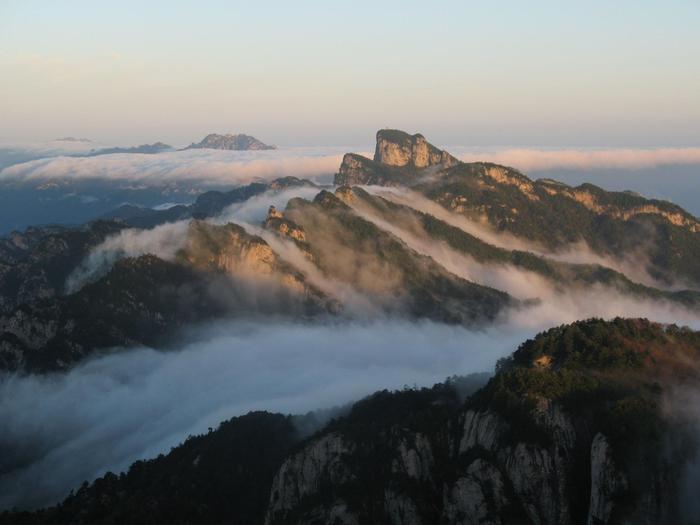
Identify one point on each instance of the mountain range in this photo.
(585, 423)
(412, 232)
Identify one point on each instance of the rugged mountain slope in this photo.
(222, 272)
(208, 204)
(554, 215)
(570, 430)
(564, 276)
(34, 264)
(546, 212)
(354, 241)
(229, 141)
(138, 302)
(350, 249)
(573, 428)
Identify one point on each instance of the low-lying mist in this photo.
(61, 429)
(205, 166)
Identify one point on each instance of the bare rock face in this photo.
(303, 475)
(230, 249)
(399, 158)
(606, 481)
(397, 148)
(276, 221)
(480, 429)
(475, 496)
(415, 458)
(356, 169)
(496, 477)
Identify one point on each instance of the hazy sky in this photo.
(594, 73)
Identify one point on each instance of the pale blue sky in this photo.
(594, 73)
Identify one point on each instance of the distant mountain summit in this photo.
(71, 139)
(238, 142)
(149, 149)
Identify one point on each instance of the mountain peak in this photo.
(230, 141)
(398, 158)
(398, 148)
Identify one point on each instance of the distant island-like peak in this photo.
(229, 141)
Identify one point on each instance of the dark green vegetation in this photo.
(220, 477)
(571, 429)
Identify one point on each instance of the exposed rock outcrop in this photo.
(607, 483)
(398, 148)
(231, 249)
(399, 159)
(303, 475)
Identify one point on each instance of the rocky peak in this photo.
(399, 159)
(229, 248)
(277, 222)
(237, 142)
(346, 194)
(398, 148)
(272, 212)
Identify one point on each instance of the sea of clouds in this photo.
(61, 429)
(205, 166)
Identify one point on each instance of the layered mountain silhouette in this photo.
(412, 233)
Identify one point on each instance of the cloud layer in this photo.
(207, 166)
(529, 159)
(59, 430)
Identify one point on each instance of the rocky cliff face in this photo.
(399, 159)
(514, 453)
(397, 148)
(229, 248)
(420, 479)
